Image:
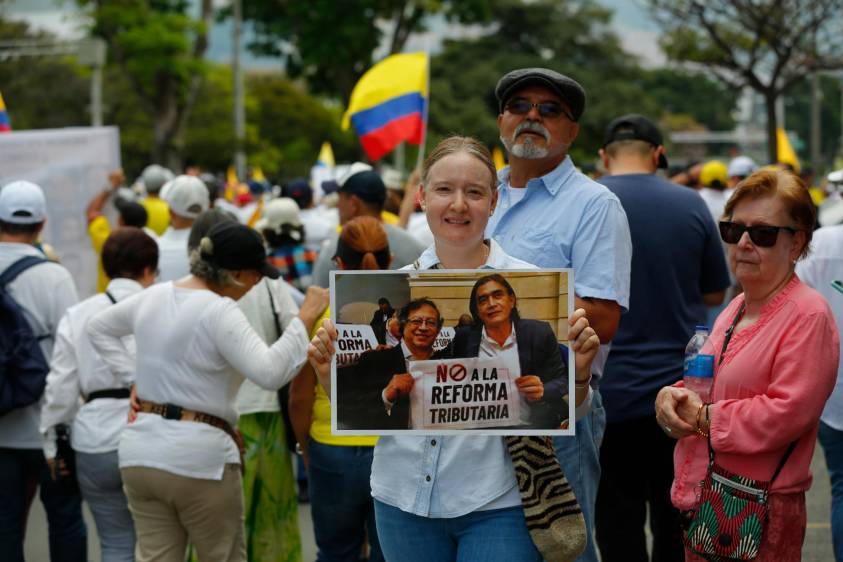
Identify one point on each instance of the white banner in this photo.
(443, 339)
(70, 165)
(463, 394)
(353, 340)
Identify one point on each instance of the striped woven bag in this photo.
(554, 517)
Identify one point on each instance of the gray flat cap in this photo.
(568, 89)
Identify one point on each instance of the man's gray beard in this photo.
(526, 149)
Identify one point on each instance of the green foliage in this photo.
(330, 44)
(42, 92)
(285, 126)
(798, 117)
(574, 38)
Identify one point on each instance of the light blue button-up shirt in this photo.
(567, 220)
(438, 476)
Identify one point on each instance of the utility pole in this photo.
(239, 109)
(816, 124)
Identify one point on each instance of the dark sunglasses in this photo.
(547, 109)
(762, 235)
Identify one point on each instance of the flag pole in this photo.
(420, 158)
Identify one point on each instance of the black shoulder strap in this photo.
(278, 329)
(111, 297)
(21, 265)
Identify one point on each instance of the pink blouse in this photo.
(769, 390)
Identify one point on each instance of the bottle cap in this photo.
(700, 327)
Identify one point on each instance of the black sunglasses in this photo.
(547, 109)
(762, 235)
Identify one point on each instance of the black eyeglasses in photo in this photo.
(762, 235)
(547, 109)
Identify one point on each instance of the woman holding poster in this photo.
(456, 497)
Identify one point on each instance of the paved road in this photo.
(817, 546)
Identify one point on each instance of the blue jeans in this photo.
(341, 502)
(67, 534)
(579, 457)
(494, 535)
(832, 443)
(102, 488)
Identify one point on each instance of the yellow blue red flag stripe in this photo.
(5, 124)
(389, 104)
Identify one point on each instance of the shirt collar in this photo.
(498, 259)
(408, 355)
(551, 181)
(510, 340)
(122, 287)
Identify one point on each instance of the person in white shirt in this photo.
(44, 292)
(179, 458)
(83, 391)
(267, 467)
(187, 197)
(822, 267)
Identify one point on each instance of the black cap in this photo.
(567, 88)
(634, 127)
(133, 214)
(298, 190)
(238, 247)
(366, 185)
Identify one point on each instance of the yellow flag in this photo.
(231, 183)
(326, 156)
(257, 174)
(497, 156)
(786, 154)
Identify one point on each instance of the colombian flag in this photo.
(389, 104)
(326, 156)
(5, 124)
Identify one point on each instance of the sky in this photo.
(637, 31)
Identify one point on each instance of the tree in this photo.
(42, 92)
(767, 45)
(331, 47)
(160, 50)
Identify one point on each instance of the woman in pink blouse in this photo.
(778, 369)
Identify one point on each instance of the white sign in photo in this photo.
(462, 394)
(353, 340)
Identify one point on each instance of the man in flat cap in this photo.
(550, 214)
(677, 269)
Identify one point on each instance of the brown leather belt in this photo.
(174, 412)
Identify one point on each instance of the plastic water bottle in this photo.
(699, 367)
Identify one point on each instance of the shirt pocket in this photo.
(531, 244)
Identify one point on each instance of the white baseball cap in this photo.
(277, 213)
(187, 196)
(741, 167)
(22, 202)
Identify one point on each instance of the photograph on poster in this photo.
(448, 351)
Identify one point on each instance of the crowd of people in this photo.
(178, 396)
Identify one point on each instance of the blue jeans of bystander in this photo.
(341, 502)
(102, 488)
(580, 460)
(494, 535)
(67, 533)
(832, 443)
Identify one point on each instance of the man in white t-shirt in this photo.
(44, 291)
(187, 197)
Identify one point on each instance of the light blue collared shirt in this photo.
(437, 476)
(567, 220)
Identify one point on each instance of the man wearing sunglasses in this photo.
(678, 268)
(551, 215)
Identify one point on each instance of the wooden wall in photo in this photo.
(540, 295)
